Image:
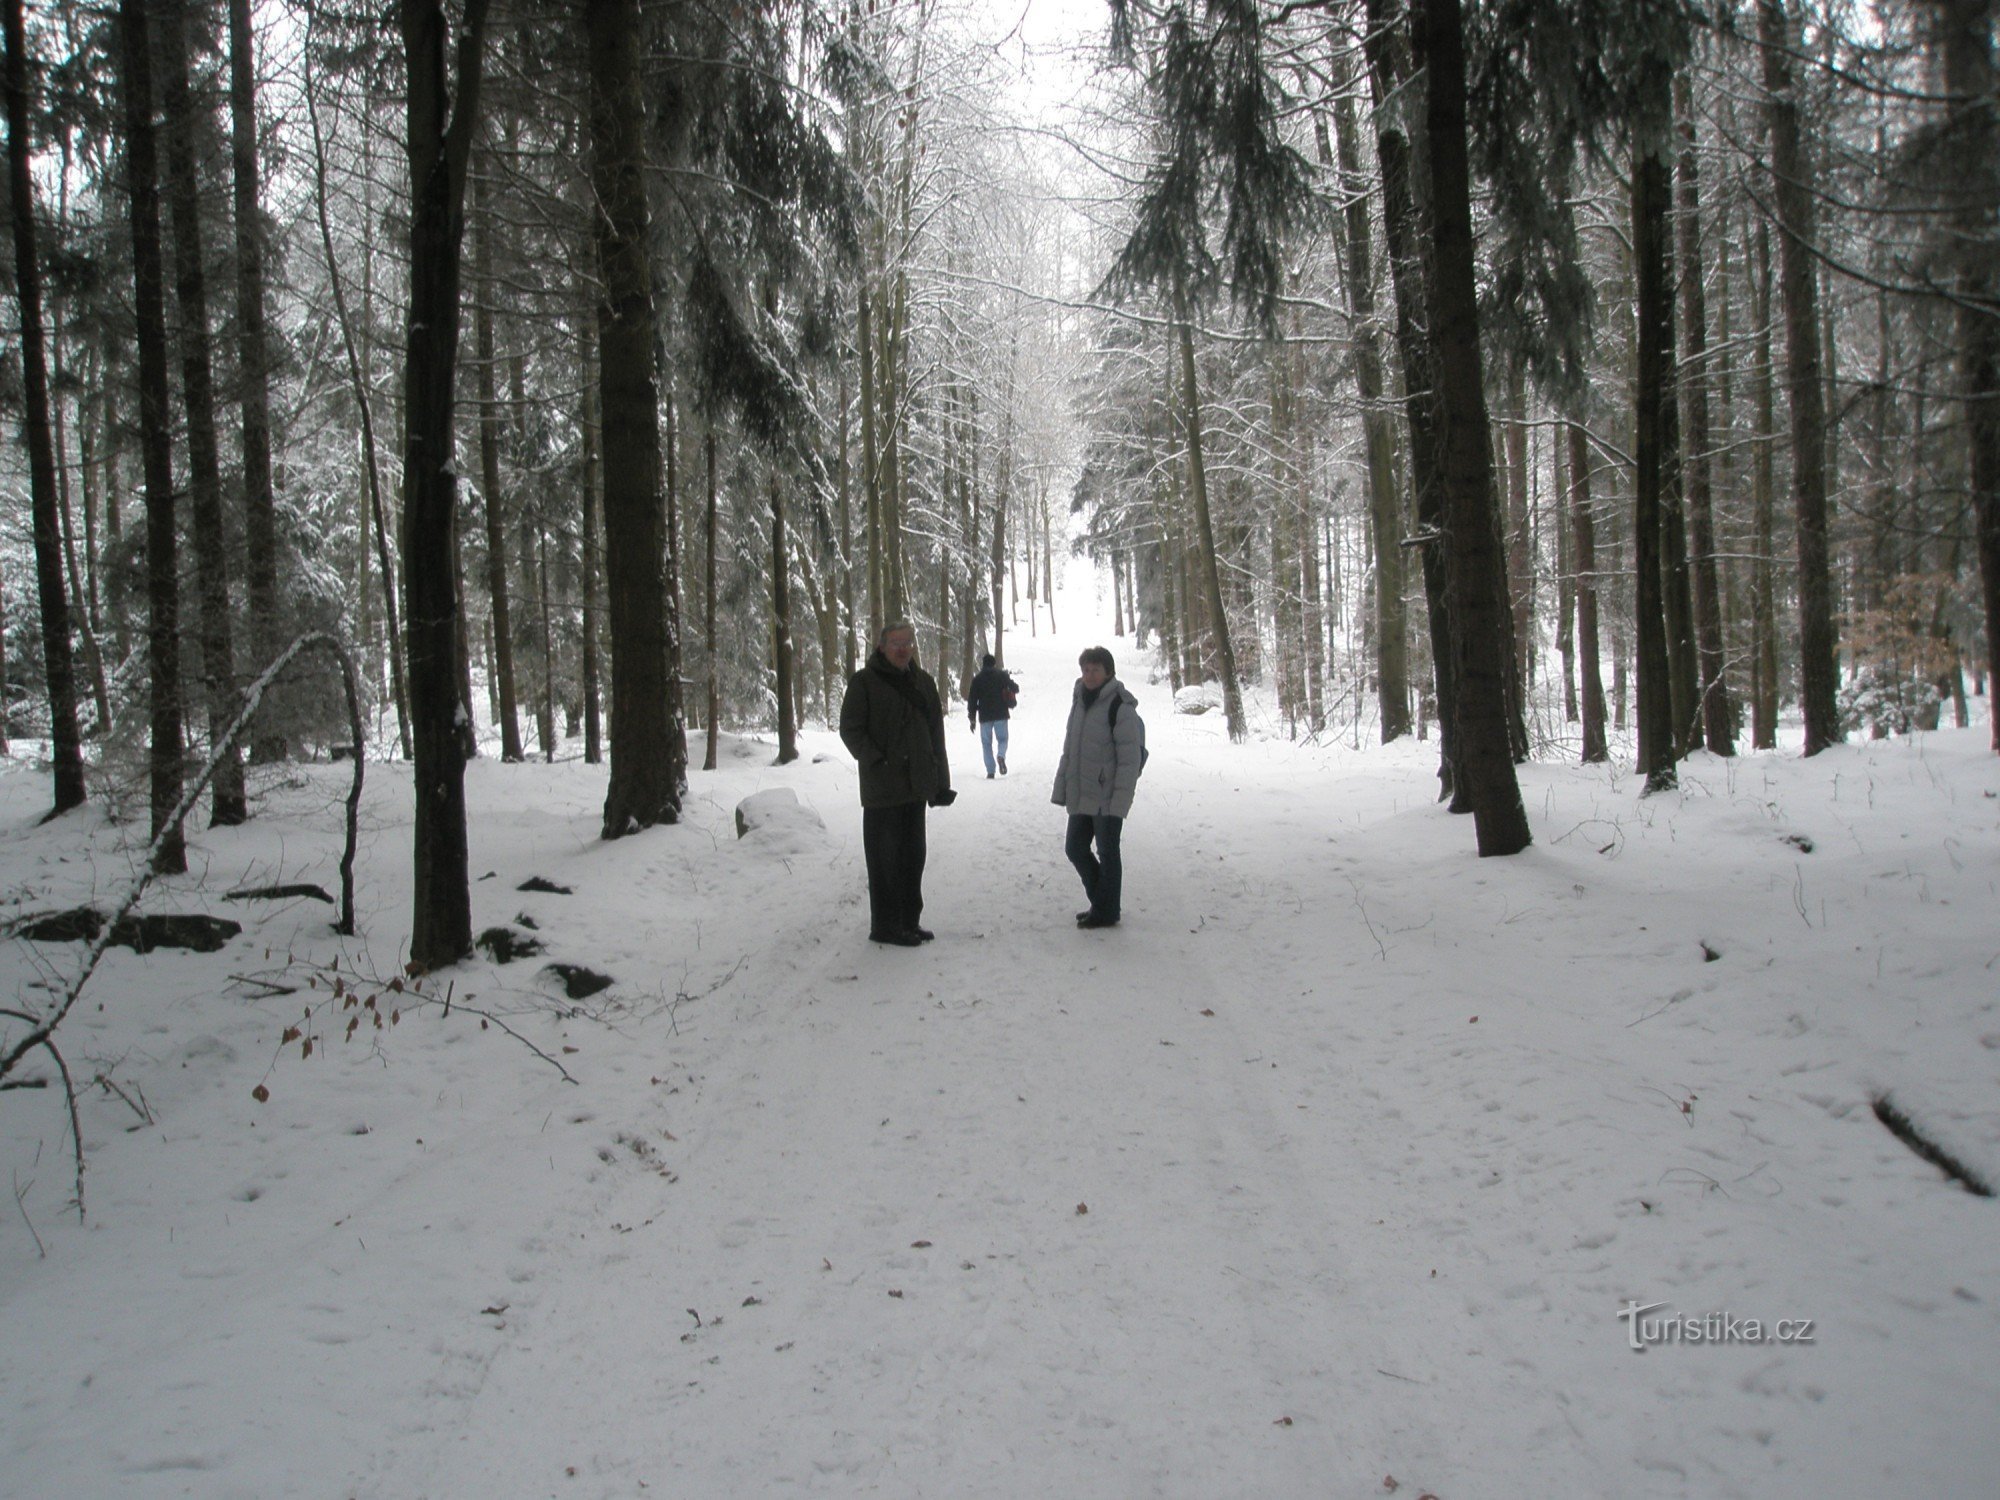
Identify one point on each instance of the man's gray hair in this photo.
(882, 636)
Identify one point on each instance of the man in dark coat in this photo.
(988, 701)
(892, 723)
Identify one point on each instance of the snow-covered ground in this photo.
(1327, 1174)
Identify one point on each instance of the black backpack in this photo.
(1111, 722)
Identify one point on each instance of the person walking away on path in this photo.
(988, 701)
(892, 723)
(1104, 748)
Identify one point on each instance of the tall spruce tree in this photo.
(1798, 278)
(57, 661)
(644, 785)
(439, 143)
(1397, 90)
(1970, 143)
(1218, 105)
(253, 351)
(155, 436)
(1475, 567)
(186, 125)
(1653, 430)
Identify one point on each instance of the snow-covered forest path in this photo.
(1332, 1165)
(1029, 1201)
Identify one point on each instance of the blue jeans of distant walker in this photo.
(1104, 872)
(993, 732)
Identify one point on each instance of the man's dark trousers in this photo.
(893, 840)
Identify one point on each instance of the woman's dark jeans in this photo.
(1103, 872)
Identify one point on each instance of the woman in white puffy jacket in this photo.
(1103, 748)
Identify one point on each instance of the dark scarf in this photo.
(1090, 695)
(903, 680)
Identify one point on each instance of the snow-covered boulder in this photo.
(1198, 698)
(777, 815)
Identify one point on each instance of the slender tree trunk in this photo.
(1518, 529)
(1384, 504)
(1731, 540)
(1792, 191)
(593, 487)
(1117, 597)
(677, 753)
(115, 602)
(1621, 688)
(871, 461)
(781, 626)
(364, 406)
(1583, 529)
(1718, 727)
(1763, 490)
(1967, 26)
(644, 787)
(155, 437)
(1048, 562)
(892, 373)
(1197, 641)
(1286, 589)
(6, 711)
(1027, 557)
(1476, 568)
(1403, 173)
(1565, 580)
(1676, 580)
(1313, 625)
(440, 143)
(1657, 752)
(545, 718)
(66, 744)
(673, 514)
(487, 289)
(92, 462)
(848, 645)
(254, 359)
(714, 713)
(211, 549)
(972, 529)
(82, 617)
(886, 500)
(1225, 652)
(1173, 607)
(1002, 492)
